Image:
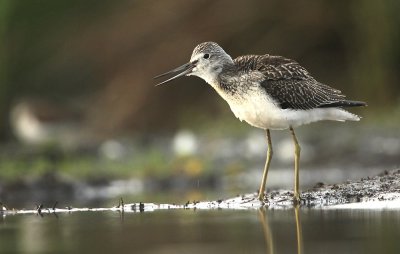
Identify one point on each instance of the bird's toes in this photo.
(263, 197)
(297, 200)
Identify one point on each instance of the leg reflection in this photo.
(299, 232)
(269, 244)
(262, 212)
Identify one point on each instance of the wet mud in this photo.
(381, 191)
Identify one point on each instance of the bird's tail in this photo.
(338, 114)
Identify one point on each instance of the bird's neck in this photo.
(228, 80)
(212, 73)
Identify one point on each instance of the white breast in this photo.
(257, 109)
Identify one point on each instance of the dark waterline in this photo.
(214, 231)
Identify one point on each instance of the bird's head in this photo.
(206, 62)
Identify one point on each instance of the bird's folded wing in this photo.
(289, 84)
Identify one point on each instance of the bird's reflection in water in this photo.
(299, 232)
(268, 235)
(269, 244)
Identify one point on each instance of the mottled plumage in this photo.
(268, 92)
(291, 85)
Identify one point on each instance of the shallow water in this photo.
(212, 231)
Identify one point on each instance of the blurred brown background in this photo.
(97, 58)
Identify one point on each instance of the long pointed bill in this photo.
(181, 70)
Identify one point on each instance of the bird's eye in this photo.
(206, 56)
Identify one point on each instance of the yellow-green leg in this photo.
(297, 150)
(266, 167)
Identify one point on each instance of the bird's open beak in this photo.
(181, 70)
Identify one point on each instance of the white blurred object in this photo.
(285, 150)
(185, 143)
(113, 189)
(112, 149)
(256, 145)
(37, 122)
(385, 145)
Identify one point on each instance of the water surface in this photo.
(210, 231)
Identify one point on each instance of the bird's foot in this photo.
(262, 196)
(297, 200)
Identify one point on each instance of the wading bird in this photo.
(268, 92)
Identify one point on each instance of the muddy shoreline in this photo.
(383, 189)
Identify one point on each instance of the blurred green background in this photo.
(77, 94)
